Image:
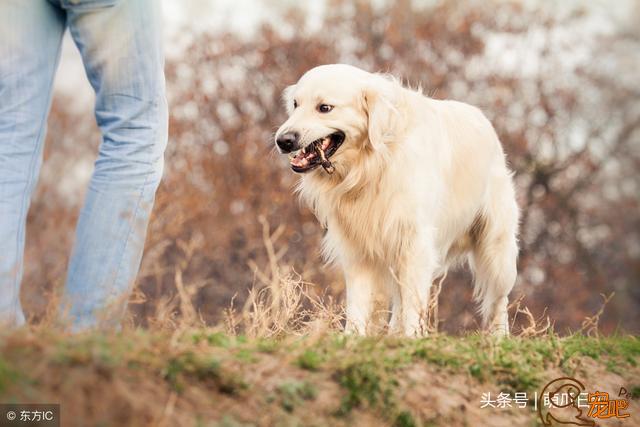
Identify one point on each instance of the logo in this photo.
(570, 413)
(560, 403)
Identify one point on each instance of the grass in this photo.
(293, 393)
(328, 379)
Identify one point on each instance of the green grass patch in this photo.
(8, 375)
(310, 360)
(295, 393)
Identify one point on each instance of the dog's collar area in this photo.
(317, 153)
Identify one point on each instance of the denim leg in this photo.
(30, 38)
(121, 45)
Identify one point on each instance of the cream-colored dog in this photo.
(407, 186)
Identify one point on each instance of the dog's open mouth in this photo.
(317, 153)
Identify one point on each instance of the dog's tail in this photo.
(495, 248)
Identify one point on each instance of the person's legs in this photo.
(121, 45)
(30, 37)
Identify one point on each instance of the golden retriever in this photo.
(407, 187)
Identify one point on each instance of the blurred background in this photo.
(559, 80)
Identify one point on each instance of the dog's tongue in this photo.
(302, 159)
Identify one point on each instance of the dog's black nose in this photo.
(288, 141)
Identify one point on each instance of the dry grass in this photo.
(532, 327)
(590, 323)
(282, 304)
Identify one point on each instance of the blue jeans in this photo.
(121, 46)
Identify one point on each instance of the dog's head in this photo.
(339, 109)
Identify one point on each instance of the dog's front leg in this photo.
(414, 282)
(360, 296)
(396, 310)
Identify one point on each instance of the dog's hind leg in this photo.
(493, 261)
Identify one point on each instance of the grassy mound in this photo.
(204, 377)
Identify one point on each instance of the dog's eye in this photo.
(325, 108)
(295, 104)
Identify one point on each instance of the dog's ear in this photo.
(287, 98)
(382, 114)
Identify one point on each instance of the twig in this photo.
(590, 324)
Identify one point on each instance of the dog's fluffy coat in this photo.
(419, 185)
